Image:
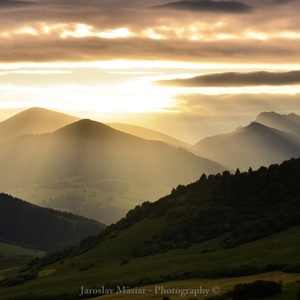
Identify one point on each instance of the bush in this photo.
(84, 268)
(124, 261)
(256, 289)
(12, 282)
(298, 295)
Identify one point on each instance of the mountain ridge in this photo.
(34, 120)
(148, 134)
(289, 123)
(95, 163)
(29, 225)
(252, 146)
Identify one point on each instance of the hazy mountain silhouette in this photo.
(33, 120)
(92, 169)
(148, 134)
(289, 123)
(251, 146)
(32, 226)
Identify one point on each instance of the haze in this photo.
(134, 61)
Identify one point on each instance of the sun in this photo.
(140, 96)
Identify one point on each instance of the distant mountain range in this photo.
(28, 225)
(272, 138)
(91, 169)
(88, 168)
(288, 123)
(33, 121)
(223, 225)
(148, 134)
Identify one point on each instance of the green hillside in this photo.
(103, 266)
(32, 226)
(10, 250)
(222, 226)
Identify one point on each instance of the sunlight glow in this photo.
(83, 30)
(77, 30)
(290, 35)
(150, 65)
(27, 30)
(69, 30)
(257, 36)
(150, 33)
(115, 33)
(193, 31)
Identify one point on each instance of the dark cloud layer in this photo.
(94, 48)
(209, 6)
(8, 3)
(281, 1)
(232, 79)
(64, 30)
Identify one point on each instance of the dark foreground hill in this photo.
(223, 225)
(241, 207)
(28, 225)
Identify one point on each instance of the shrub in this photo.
(256, 289)
(124, 261)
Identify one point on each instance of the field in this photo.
(203, 288)
(10, 250)
(103, 265)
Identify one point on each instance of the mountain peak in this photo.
(34, 120)
(289, 123)
(86, 128)
(267, 113)
(38, 113)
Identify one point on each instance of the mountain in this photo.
(224, 225)
(91, 169)
(33, 121)
(28, 225)
(288, 123)
(148, 134)
(250, 146)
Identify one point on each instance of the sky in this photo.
(190, 68)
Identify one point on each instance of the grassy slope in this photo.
(9, 250)
(290, 287)
(107, 256)
(13, 257)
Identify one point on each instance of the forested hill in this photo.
(236, 208)
(241, 207)
(32, 226)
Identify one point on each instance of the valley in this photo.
(148, 248)
(149, 150)
(178, 218)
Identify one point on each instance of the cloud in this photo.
(48, 48)
(281, 1)
(63, 30)
(203, 115)
(209, 6)
(14, 3)
(232, 79)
